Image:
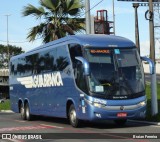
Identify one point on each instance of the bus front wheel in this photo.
(74, 121)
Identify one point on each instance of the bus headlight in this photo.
(97, 105)
(143, 103)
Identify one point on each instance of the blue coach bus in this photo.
(79, 77)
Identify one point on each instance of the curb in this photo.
(7, 111)
(145, 122)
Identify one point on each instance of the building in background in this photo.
(4, 83)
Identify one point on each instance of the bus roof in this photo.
(91, 40)
(100, 40)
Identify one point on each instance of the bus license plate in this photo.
(122, 114)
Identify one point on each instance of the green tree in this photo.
(13, 50)
(60, 18)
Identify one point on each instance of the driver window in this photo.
(75, 50)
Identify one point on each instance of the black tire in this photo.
(29, 117)
(120, 122)
(74, 121)
(22, 111)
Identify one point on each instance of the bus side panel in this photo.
(58, 95)
(15, 96)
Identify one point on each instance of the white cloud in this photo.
(145, 48)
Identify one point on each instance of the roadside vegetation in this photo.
(60, 18)
(148, 93)
(5, 106)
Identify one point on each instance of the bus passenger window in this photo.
(62, 60)
(21, 67)
(32, 64)
(74, 50)
(46, 61)
(13, 67)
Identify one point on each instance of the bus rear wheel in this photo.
(74, 121)
(28, 114)
(22, 111)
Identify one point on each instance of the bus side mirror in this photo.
(85, 64)
(151, 64)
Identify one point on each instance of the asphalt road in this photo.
(11, 123)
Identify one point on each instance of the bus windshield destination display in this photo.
(101, 51)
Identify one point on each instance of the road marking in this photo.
(52, 126)
(156, 125)
(25, 128)
(12, 140)
(19, 121)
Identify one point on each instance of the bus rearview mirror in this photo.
(85, 64)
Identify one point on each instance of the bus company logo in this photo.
(42, 80)
(121, 107)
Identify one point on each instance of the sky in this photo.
(18, 26)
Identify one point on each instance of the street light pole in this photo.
(88, 16)
(113, 18)
(136, 5)
(7, 15)
(151, 28)
(154, 103)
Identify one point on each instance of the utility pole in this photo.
(88, 16)
(151, 28)
(149, 15)
(7, 15)
(113, 18)
(152, 56)
(136, 5)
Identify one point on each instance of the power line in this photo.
(16, 41)
(13, 41)
(39, 38)
(96, 5)
(93, 7)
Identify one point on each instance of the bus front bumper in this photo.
(94, 113)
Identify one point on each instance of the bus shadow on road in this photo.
(85, 124)
(112, 125)
(51, 119)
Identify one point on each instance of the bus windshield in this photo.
(115, 73)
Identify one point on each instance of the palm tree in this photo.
(61, 18)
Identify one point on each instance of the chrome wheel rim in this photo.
(27, 112)
(22, 112)
(73, 116)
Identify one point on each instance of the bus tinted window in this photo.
(75, 50)
(96, 58)
(32, 64)
(21, 66)
(47, 61)
(127, 59)
(13, 68)
(62, 60)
